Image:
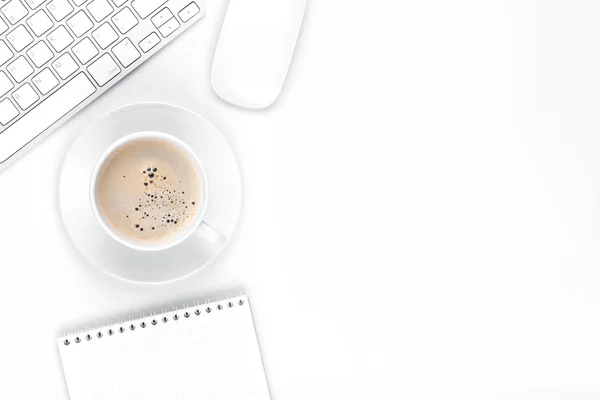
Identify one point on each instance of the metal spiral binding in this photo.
(123, 327)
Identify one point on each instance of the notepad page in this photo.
(212, 356)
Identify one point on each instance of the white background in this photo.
(421, 215)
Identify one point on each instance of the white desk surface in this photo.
(422, 208)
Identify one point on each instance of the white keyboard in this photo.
(56, 56)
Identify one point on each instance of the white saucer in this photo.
(96, 245)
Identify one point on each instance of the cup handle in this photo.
(209, 233)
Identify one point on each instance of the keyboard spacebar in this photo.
(45, 115)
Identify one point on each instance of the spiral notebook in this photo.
(201, 352)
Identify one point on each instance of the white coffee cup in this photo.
(197, 226)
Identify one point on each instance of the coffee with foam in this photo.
(148, 191)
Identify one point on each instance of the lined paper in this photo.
(211, 356)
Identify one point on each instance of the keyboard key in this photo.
(149, 42)
(20, 69)
(40, 54)
(85, 51)
(14, 11)
(79, 2)
(60, 38)
(119, 3)
(65, 66)
(44, 115)
(125, 20)
(80, 23)
(105, 35)
(25, 96)
(5, 53)
(103, 69)
(33, 4)
(100, 9)
(5, 84)
(8, 112)
(59, 9)
(3, 26)
(169, 27)
(19, 38)
(159, 19)
(45, 81)
(146, 7)
(126, 53)
(40, 23)
(188, 12)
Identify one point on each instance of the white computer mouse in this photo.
(255, 50)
